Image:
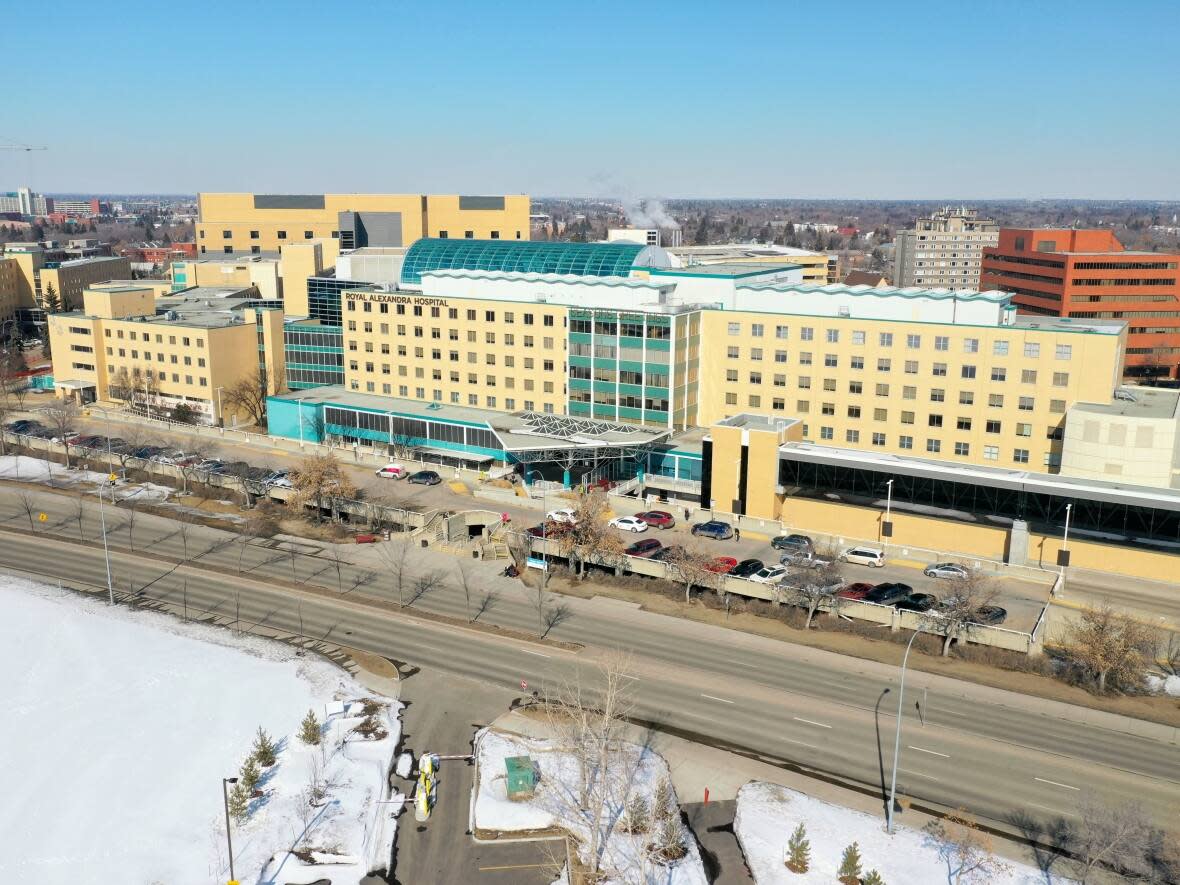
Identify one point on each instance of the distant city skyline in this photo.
(746, 100)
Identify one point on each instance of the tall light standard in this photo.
(897, 738)
(106, 553)
(887, 525)
(220, 412)
(228, 838)
(1063, 553)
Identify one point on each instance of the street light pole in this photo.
(897, 738)
(1065, 542)
(220, 413)
(888, 532)
(106, 553)
(228, 838)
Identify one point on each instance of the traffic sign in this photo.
(42, 517)
(524, 686)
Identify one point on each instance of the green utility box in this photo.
(523, 776)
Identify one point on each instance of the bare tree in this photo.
(135, 437)
(6, 410)
(197, 451)
(587, 717)
(959, 610)
(967, 851)
(316, 480)
(1169, 653)
(183, 528)
(588, 537)
(61, 417)
(79, 515)
(1112, 650)
(425, 583)
(248, 394)
(690, 567)
(337, 557)
(29, 507)
(466, 581)
(1119, 837)
(315, 426)
(811, 588)
(131, 513)
(245, 534)
(395, 555)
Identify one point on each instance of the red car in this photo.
(721, 565)
(548, 530)
(660, 519)
(366, 538)
(855, 591)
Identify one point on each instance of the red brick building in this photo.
(1088, 274)
(159, 253)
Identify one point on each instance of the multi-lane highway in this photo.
(992, 751)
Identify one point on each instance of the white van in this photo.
(870, 556)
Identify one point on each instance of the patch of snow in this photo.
(1158, 542)
(549, 807)
(1106, 536)
(26, 469)
(929, 510)
(768, 813)
(126, 721)
(1169, 685)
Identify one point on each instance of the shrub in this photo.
(249, 775)
(239, 802)
(798, 851)
(638, 818)
(309, 730)
(264, 749)
(849, 872)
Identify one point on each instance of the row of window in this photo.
(137, 374)
(489, 316)
(622, 376)
(547, 342)
(622, 329)
(1032, 349)
(938, 370)
(453, 355)
(934, 446)
(966, 398)
(626, 401)
(454, 377)
(147, 355)
(147, 337)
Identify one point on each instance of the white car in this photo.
(628, 524)
(770, 574)
(562, 514)
(951, 570)
(873, 557)
(391, 471)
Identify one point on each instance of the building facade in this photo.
(944, 250)
(235, 222)
(1086, 274)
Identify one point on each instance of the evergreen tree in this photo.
(872, 877)
(309, 731)
(668, 844)
(798, 851)
(849, 872)
(638, 815)
(249, 775)
(264, 749)
(239, 803)
(662, 805)
(50, 300)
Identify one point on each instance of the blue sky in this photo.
(822, 99)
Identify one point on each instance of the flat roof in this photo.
(752, 421)
(1137, 402)
(1067, 324)
(996, 477)
(881, 291)
(735, 270)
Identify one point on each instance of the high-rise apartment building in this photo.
(943, 251)
(233, 223)
(1087, 274)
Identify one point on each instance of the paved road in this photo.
(713, 826)
(989, 750)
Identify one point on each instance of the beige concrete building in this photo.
(943, 251)
(1135, 438)
(818, 267)
(117, 347)
(67, 278)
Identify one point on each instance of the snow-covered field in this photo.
(768, 813)
(1169, 685)
(119, 726)
(551, 806)
(38, 470)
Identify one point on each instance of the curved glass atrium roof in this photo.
(524, 256)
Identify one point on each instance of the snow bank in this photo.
(639, 774)
(38, 470)
(768, 813)
(121, 724)
(1169, 685)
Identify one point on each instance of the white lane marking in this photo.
(710, 697)
(924, 750)
(918, 774)
(802, 744)
(529, 651)
(951, 712)
(1056, 784)
(810, 722)
(1054, 810)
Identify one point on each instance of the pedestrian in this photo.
(737, 533)
(687, 515)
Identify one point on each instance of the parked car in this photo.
(989, 615)
(714, 528)
(859, 590)
(391, 471)
(166, 456)
(548, 529)
(888, 594)
(367, 538)
(645, 548)
(88, 441)
(562, 514)
(424, 478)
(628, 524)
(874, 557)
(145, 453)
(24, 425)
(792, 542)
(58, 438)
(212, 465)
(721, 565)
(803, 559)
(747, 567)
(769, 574)
(946, 570)
(667, 554)
(917, 602)
(660, 519)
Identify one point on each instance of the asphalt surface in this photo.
(991, 751)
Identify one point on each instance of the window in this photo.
(780, 356)
(804, 358)
(1028, 376)
(1057, 406)
(807, 333)
(852, 436)
(803, 405)
(1026, 404)
(731, 353)
(830, 384)
(967, 372)
(1024, 430)
(911, 367)
(880, 414)
(962, 448)
(1061, 379)
(907, 417)
(756, 354)
(1032, 350)
(905, 442)
(831, 361)
(282, 234)
(804, 382)
(307, 235)
(735, 328)
(833, 336)
(883, 365)
(828, 408)
(913, 342)
(1063, 352)
(999, 348)
(991, 453)
(934, 445)
(937, 395)
(858, 362)
(780, 380)
(782, 332)
(854, 411)
(1020, 456)
(825, 433)
(885, 339)
(227, 235)
(963, 423)
(970, 345)
(939, 370)
(858, 337)
(756, 329)
(999, 374)
(754, 401)
(882, 390)
(731, 399)
(878, 439)
(908, 392)
(942, 342)
(992, 426)
(755, 377)
(934, 421)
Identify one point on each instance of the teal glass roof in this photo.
(524, 256)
